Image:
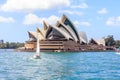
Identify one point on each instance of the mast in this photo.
(38, 45)
(37, 55)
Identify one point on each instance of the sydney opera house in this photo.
(63, 36)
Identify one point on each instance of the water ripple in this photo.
(60, 66)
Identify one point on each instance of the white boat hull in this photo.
(36, 56)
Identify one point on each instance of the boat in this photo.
(118, 50)
(36, 56)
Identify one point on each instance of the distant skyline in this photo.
(98, 18)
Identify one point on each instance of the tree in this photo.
(117, 43)
(109, 41)
(7, 44)
(11, 45)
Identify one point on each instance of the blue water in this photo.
(59, 66)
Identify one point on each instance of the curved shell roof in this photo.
(63, 28)
(66, 29)
(35, 35)
(83, 37)
(66, 35)
(69, 23)
(99, 41)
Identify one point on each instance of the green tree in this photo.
(7, 44)
(11, 45)
(109, 41)
(117, 43)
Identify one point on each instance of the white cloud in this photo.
(85, 23)
(71, 12)
(83, 5)
(21, 5)
(113, 21)
(6, 19)
(76, 23)
(34, 19)
(103, 11)
(82, 23)
(52, 19)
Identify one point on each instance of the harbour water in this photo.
(59, 66)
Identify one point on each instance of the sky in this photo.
(98, 18)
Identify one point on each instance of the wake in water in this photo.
(36, 56)
(118, 53)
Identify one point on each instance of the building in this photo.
(97, 42)
(61, 37)
(1, 41)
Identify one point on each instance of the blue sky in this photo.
(98, 18)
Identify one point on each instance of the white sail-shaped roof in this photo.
(63, 29)
(101, 41)
(31, 36)
(83, 37)
(66, 29)
(69, 23)
(66, 35)
(35, 35)
(40, 32)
